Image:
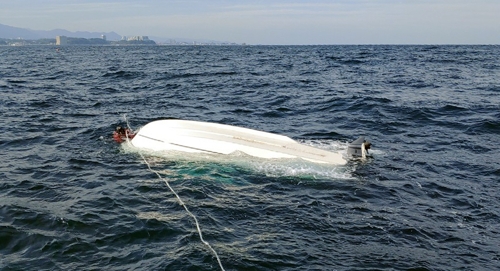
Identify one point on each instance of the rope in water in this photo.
(181, 202)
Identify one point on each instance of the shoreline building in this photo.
(61, 40)
(136, 38)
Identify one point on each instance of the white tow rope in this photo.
(179, 200)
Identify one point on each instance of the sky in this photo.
(290, 22)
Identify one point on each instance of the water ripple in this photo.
(71, 199)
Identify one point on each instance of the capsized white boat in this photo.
(205, 137)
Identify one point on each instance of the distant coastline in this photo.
(72, 41)
(15, 36)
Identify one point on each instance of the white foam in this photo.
(269, 167)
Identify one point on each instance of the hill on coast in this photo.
(16, 33)
(11, 32)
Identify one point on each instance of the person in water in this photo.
(121, 134)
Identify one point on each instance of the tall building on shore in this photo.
(61, 40)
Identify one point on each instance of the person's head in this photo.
(120, 130)
(368, 145)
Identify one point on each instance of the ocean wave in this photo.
(73, 199)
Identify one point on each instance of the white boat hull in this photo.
(205, 137)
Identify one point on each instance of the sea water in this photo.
(426, 199)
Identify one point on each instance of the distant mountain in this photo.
(11, 32)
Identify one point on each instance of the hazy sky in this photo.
(270, 21)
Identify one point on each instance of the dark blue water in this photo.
(427, 199)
